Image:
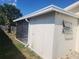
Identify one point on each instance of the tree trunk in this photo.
(9, 28)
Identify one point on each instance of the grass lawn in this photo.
(12, 49)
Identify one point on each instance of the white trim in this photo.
(72, 6)
(26, 20)
(45, 10)
(21, 42)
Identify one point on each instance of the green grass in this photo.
(12, 49)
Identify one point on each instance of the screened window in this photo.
(67, 27)
(67, 30)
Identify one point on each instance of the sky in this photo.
(28, 6)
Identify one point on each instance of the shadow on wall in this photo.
(7, 49)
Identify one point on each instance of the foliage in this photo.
(8, 13)
(10, 48)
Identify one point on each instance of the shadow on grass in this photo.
(7, 49)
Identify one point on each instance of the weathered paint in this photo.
(77, 37)
(46, 37)
(63, 46)
(41, 32)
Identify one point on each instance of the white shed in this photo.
(51, 32)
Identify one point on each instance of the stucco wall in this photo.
(77, 37)
(62, 46)
(41, 30)
(46, 35)
(74, 10)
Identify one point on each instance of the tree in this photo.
(9, 13)
(2, 16)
